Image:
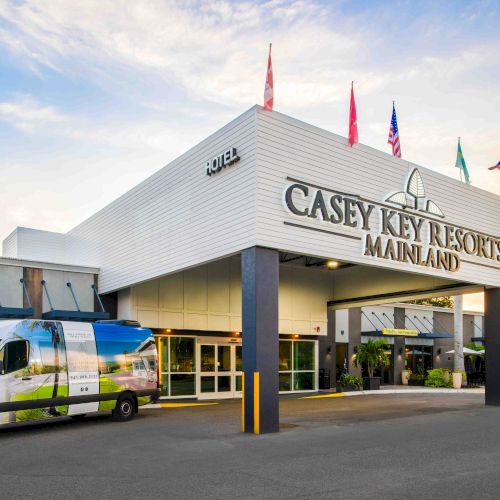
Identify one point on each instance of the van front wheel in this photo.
(124, 410)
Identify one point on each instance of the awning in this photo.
(467, 351)
(421, 335)
(16, 312)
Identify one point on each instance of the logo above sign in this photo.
(223, 160)
(414, 192)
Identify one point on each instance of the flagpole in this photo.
(461, 180)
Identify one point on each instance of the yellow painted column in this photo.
(256, 403)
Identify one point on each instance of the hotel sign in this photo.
(414, 233)
(222, 160)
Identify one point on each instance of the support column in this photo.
(327, 351)
(260, 282)
(492, 345)
(458, 345)
(354, 338)
(399, 345)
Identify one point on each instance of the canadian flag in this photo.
(269, 88)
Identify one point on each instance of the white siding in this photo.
(290, 148)
(179, 217)
(9, 245)
(43, 246)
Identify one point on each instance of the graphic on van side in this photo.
(50, 368)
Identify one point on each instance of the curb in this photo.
(415, 391)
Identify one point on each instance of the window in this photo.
(182, 354)
(15, 356)
(285, 351)
(176, 360)
(297, 365)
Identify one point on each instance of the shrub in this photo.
(436, 378)
(350, 380)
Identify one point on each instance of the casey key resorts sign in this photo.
(415, 233)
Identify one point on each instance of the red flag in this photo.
(497, 166)
(353, 120)
(269, 88)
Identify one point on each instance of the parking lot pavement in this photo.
(390, 446)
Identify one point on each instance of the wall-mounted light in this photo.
(169, 330)
(438, 352)
(237, 333)
(329, 349)
(341, 332)
(400, 351)
(295, 335)
(355, 349)
(332, 264)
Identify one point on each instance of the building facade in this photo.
(241, 252)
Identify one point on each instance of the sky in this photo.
(95, 96)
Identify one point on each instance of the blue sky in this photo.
(96, 97)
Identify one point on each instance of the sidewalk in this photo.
(404, 389)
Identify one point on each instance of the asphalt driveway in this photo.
(388, 446)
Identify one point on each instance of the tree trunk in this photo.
(458, 359)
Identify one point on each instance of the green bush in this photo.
(436, 378)
(350, 380)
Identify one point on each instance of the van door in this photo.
(16, 381)
(83, 368)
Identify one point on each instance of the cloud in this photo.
(27, 114)
(188, 67)
(214, 50)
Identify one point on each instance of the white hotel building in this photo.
(241, 253)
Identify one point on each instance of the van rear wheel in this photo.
(124, 410)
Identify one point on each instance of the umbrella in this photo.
(466, 351)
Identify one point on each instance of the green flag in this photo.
(460, 163)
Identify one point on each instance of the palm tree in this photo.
(373, 354)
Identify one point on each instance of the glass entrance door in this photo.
(219, 371)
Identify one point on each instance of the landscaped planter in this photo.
(371, 383)
(457, 380)
(347, 388)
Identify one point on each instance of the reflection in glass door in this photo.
(219, 371)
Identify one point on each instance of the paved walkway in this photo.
(387, 389)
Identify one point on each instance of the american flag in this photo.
(394, 134)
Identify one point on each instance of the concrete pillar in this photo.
(327, 349)
(399, 345)
(260, 281)
(458, 345)
(492, 345)
(354, 338)
(399, 359)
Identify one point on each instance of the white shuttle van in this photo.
(56, 368)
